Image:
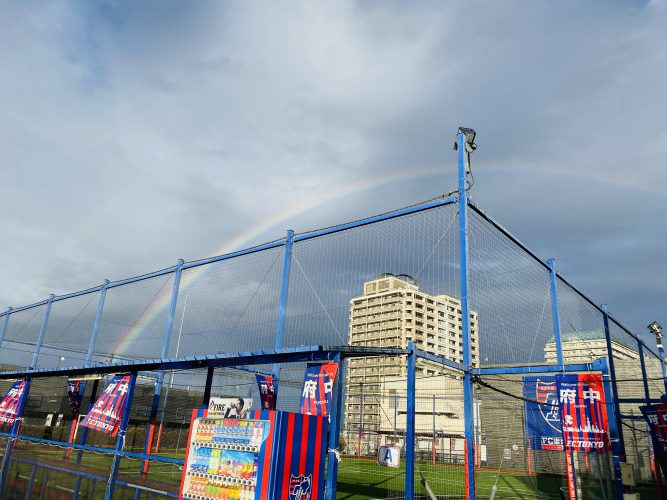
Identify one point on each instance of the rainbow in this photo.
(161, 301)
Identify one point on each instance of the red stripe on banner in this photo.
(316, 458)
(288, 455)
(571, 489)
(266, 468)
(187, 453)
(322, 394)
(304, 433)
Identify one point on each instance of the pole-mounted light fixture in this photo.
(656, 330)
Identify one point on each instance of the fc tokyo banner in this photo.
(317, 388)
(9, 406)
(74, 395)
(108, 411)
(543, 429)
(583, 413)
(267, 392)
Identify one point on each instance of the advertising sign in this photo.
(9, 406)
(317, 390)
(229, 407)
(267, 392)
(543, 428)
(106, 414)
(583, 413)
(389, 456)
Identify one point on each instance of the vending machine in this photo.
(270, 456)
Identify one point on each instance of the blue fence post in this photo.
(468, 403)
(42, 332)
(96, 323)
(640, 350)
(614, 432)
(410, 424)
(120, 440)
(282, 307)
(13, 433)
(615, 423)
(210, 372)
(334, 435)
(554, 313)
(28, 492)
(178, 270)
(5, 324)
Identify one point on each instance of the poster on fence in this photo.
(583, 412)
(317, 390)
(267, 391)
(74, 396)
(106, 414)
(229, 407)
(9, 406)
(542, 415)
(656, 416)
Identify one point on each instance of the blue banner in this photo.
(318, 384)
(543, 427)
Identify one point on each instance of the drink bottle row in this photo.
(226, 463)
(228, 431)
(210, 488)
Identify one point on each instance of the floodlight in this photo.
(470, 139)
(655, 328)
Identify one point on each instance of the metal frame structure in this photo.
(280, 354)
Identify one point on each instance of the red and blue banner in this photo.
(317, 390)
(542, 414)
(10, 404)
(300, 448)
(267, 392)
(74, 396)
(106, 414)
(656, 416)
(583, 412)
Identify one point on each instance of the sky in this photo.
(137, 133)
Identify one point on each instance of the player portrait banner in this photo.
(74, 396)
(10, 404)
(267, 392)
(542, 414)
(317, 390)
(106, 414)
(656, 416)
(583, 412)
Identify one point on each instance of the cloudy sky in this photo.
(136, 133)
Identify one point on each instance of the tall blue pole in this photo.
(554, 313)
(42, 332)
(642, 362)
(614, 431)
(5, 324)
(334, 436)
(614, 386)
(89, 359)
(120, 440)
(410, 424)
(282, 307)
(166, 340)
(468, 403)
(96, 324)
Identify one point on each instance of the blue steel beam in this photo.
(42, 332)
(468, 409)
(554, 311)
(227, 256)
(284, 355)
(438, 359)
(410, 424)
(439, 202)
(96, 323)
(282, 306)
(5, 324)
(614, 386)
(164, 353)
(527, 369)
(614, 431)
